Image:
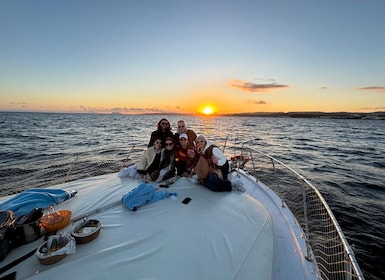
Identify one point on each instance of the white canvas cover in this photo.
(214, 236)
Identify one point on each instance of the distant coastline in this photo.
(319, 115)
(305, 114)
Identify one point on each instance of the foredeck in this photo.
(215, 236)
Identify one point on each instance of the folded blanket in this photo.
(143, 194)
(130, 171)
(24, 202)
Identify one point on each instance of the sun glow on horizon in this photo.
(207, 110)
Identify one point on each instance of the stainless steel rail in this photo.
(327, 244)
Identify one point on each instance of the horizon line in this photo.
(196, 114)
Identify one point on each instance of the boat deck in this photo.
(214, 236)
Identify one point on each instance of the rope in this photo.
(70, 169)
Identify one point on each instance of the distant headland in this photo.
(304, 114)
(320, 115)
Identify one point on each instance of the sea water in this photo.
(343, 158)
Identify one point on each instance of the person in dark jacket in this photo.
(163, 131)
(167, 161)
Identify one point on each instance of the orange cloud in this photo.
(253, 87)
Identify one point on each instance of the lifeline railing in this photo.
(44, 172)
(326, 242)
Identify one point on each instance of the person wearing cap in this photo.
(182, 129)
(181, 156)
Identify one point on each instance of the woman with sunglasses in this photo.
(149, 165)
(162, 132)
(167, 161)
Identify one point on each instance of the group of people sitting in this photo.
(183, 154)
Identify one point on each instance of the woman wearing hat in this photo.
(181, 155)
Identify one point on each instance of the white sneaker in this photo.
(238, 186)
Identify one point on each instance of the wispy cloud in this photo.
(127, 110)
(95, 110)
(255, 87)
(256, 102)
(324, 87)
(22, 104)
(372, 88)
(264, 79)
(373, 108)
(134, 109)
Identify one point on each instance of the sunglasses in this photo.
(180, 125)
(169, 144)
(164, 123)
(200, 141)
(157, 142)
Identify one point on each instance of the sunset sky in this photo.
(178, 56)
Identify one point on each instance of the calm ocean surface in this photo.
(344, 159)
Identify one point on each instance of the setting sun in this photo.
(207, 110)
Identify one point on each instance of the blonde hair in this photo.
(201, 137)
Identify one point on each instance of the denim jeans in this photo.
(217, 184)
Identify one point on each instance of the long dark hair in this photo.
(159, 124)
